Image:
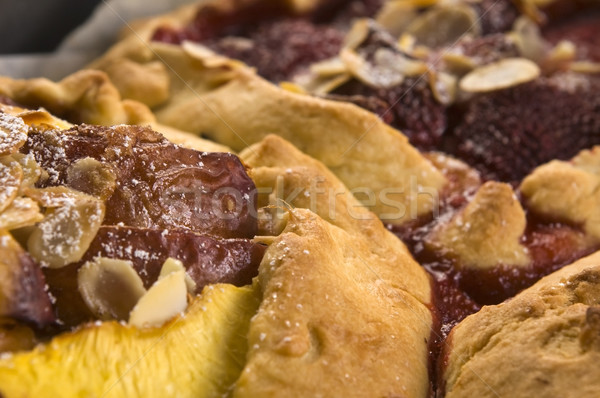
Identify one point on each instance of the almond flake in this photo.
(22, 212)
(173, 265)
(444, 25)
(162, 302)
(499, 75)
(110, 288)
(11, 176)
(71, 222)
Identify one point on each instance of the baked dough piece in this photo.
(333, 320)
(88, 96)
(487, 232)
(543, 342)
(286, 176)
(238, 108)
(545, 191)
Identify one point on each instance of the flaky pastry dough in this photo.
(88, 96)
(227, 102)
(543, 342)
(568, 190)
(331, 323)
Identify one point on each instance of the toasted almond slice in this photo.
(444, 25)
(173, 265)
(499, 75)
(458, 64)
(443, 86)
(11, 176)
(13, 134)
(528, 39)
(92, 177)
(324, 85)
(396, 15)
(328, 67)
(163, 301)
(22, 212)
(71, 222)
(357, 34)
(564, 52)
(31, 170)
(110, 287)
(585, 67)
(387, 70)
(208, 57)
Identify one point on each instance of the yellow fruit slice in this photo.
(198, 355)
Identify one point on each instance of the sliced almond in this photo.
(458, 64)
(500, 75)
(407, 43)
(444, 87)
(173, 265)
(92, 177)
(31, 169)
(444, 25)
(329, 67)
(13, 134)
(22, 212)
(71, 222)
(324, 85)
(163, 301)
(585, 67)
(357, 34)
(110, 287)
(208, 57)
(11, 176)
(388, 69)
(528, 39)
(562, 54)
(396, 15)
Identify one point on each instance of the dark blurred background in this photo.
(33, 26)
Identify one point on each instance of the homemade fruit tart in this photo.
(336, 256)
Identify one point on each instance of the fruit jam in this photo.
(458, 292)
(278, 41)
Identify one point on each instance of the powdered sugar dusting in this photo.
(13, 133)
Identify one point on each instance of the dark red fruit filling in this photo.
(506, 134)
(207, 260)
(414, 109)
(281, 49)
(583, 30)
(270, 37)
(496, 16)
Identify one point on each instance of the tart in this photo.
(361, 260)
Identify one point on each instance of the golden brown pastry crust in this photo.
(88, 96)
(543, 342)
(230, 104)
(546, 186)
(286, 174)
(488, 231)
(333, 320)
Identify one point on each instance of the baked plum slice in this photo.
(148, 182)
(23, 294)
(207, 260)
